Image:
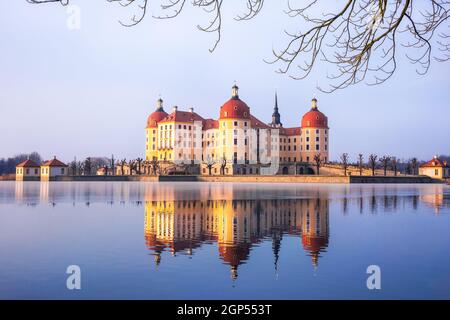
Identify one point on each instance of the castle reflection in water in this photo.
(235, 225)
(181, 218)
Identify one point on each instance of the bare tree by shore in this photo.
(385, 160)
(319, 161)
(373, 162)
(209, 162)
(414, 164)
(360, 163)
(394, 163)
(223, 165)
(344, 162)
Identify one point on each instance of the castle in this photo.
(238, 142)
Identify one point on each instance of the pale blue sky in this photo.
(88, 92)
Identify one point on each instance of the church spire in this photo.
(276, 115)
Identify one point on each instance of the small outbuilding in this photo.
(435, 168)
(27, 170)
(53, 168)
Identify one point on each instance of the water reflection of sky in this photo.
(223, 240)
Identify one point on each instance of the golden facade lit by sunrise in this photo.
(237, 142)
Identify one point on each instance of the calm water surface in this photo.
(223, 240)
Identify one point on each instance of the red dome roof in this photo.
(235, 108)
(155, 117)
(314, 119)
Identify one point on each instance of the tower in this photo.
(276, 115)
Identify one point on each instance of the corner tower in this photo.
(314, 134)
(151, 131)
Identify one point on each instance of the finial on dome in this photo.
(235, 91)
(314, 103)
(159, 104)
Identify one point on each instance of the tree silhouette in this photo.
(318, 160)
(360, 163)
(223, 165)
(87, 166)
(139, 162)
(122, 164)
(385, 160)
(344, 162)
(154, 163)
(414, 166)
(209, 162)
(359, 39)
(394, 163)
(373, 162)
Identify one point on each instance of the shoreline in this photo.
(254, 179)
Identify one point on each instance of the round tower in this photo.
(314, 137)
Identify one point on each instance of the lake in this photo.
(136, 240)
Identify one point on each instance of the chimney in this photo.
(175, 108)
(191, 110)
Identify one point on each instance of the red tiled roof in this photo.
(54, 163)
(436, 162)
(210, 124)
(155, 117)
(182, 116)
(290, 131)
(28, 163)
(314, 119)
(255, 123)
(234, 108)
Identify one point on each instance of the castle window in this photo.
(235, 124)
(307, 147)
(317, 138)
(317, 147)
(235, 141)
(245, 114)
(317, 131)
(245, 123)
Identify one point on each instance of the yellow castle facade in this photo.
(237, 142)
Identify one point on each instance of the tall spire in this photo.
(276, 115)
